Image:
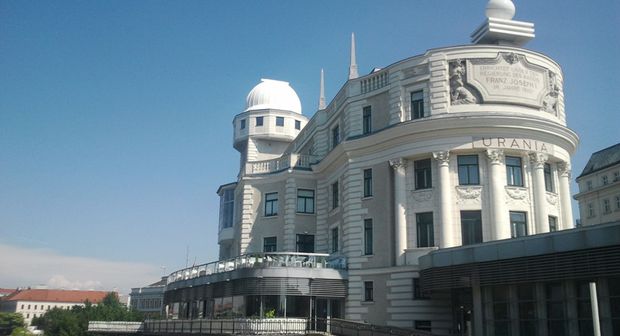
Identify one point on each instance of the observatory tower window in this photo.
(297, 124)
(280, 121)
(242, 124)
(259, 121)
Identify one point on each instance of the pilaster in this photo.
(400, 205)
(541, 221)
(500, 228)
(564, 174)
(445, 195)
(290, 210)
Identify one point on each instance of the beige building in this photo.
(33, 303)
(457, 146)
(599, 187)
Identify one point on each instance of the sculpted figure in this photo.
(458, 93)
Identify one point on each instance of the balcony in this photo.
(289, 161)
(260, 260)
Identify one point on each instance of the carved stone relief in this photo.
(538, 159)
(550, 102)
(564, 169)
(552, 199)
(468, 195)
(517, 195)
(459, 94)
(422, 195)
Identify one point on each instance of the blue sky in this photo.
(115, 116)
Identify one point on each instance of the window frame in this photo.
(553, 223)
(420, 224)
(260, 121)
(299, 243)
(424, 173)
(606, 206)
(272, 204)
(306, 200)
(335, 195)
(297, 124)
(242, 124)
(514, 172)
(334, 239)
(368, 236)
(369, 291)
(279, 121)
(417, 105)
(514, 225)
(477, 231)
(367, 173)
(549, 185)
(417, 290)
(274, 244)
(367, 120)
(465, 170)
(335, 136)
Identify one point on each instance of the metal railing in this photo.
(260, 260)
(227, 326)
(348, 328)
(114, 327)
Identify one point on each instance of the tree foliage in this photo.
(74, 321)
(9, 322)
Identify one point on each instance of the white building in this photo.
(457, 146)
(599, 187)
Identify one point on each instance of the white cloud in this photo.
(22, 267)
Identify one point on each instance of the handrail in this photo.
(280, 163)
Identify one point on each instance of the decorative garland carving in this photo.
(511, 58)
(468, 193)
(459, 94)
(519, 194)
(552, 199)
(422, 196)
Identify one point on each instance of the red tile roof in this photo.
(6, 291)
(57, 295)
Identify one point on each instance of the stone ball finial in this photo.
(500, 9)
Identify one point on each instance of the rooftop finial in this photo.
(500, 9)
(353, 66)
(322, 92)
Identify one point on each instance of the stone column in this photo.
(500, 226)
(566, 222)
(400, 206)
(445, 192)
(537, 160)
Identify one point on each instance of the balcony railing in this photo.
(281, 163)
(260, 260)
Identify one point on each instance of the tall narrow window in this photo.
(553, 224)
(616, 176)
(518, 224)
(335, 136)
(367, 182)
(617, 202)
(271, 204)
(604, 180)
(227, 203)
(425, 231)
(367, 120)
(368, 236)
(335, 195)
(335, 240)
(548, 178)
(591, 210)
(514, 171)
(423, 175)
(606, 206)
(368, 291)
(305, 201)
(468, 170)
(297, 124)
(305, 243)
(242, 124)
(471, 227)
(417, 105)
(417, 290)
(589, 185)
(259, 121)
(270, 244)
(280, 121)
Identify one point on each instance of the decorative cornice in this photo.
(538, 159)
(442, 156)
(496, 156)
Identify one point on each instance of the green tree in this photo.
(9, 322)
(21, 331)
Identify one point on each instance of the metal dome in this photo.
(273, 94)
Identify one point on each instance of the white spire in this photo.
(322, 92)
(353, 66)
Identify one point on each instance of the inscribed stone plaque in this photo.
(508, 78)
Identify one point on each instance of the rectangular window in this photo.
(242, 124)
(616, 176)
(514, 171)
(468, 170)
(617, 202)
(605, 180)
(548, 178)
(423, 325)
(425, 231)
(259, 121)
(367, 120)
(518, 224)
(270, 244)
(423, 177)
(471, 227)
(280, 121)
(367, 182)
(368, 236)
(417, 105)
(606, 206)
(297, 124)
(305, 243)
(335, 136)
(227, 204)
(589, 185)
(553, 224)
(591, 210)
(417, 290)
(368, 291)
(271, 204)
(305, 201)
(335, 240)
(335, 195)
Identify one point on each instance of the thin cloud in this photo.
(22, 267)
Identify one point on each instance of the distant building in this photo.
(599, 187)
(33, 303)
(148, 299)
(6, 292)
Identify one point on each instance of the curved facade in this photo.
(458, 146)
